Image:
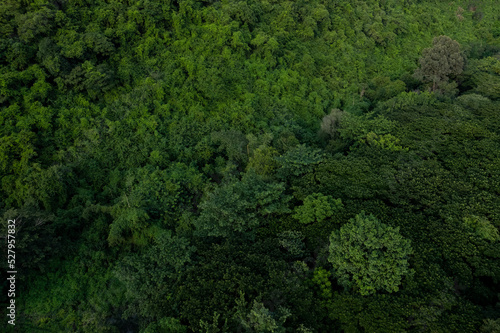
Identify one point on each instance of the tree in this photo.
(440, 62)
(263, 160)
(166, 324)
(490, 326)
(381, 88)
(293, 242)
(233, 143)
(240, 206)
(298, 161)
(261, 319)
(483, 76)
(330, 123)
(482, 228)
(149, 275)
(369, 255)
(316, 208)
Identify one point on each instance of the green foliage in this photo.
(35, 236)
(298, 161)
(382, 88)
(165, 325)
(231, 268)
(263, 160)
(483, 75)
(233, 143)
(292, 241)
(490, 326)
(482, 228)
(241, 206)
(357, 127)
(440, 62)
(321, 279)
(316, 208)
(377, 313)
(348, 177)
(386, 141)
(149, 195)
(147, 276)
(330, 123)
(369, 256)
(260, 319)
(131, 131)
(409, 99)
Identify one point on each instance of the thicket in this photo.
(252, 166)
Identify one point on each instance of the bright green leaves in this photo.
(364, 129)
(321, 279)
(482, 228)
(386, 141)
(71, 43)
(409, 99)
(145, 86)
(369, 256)
(316, 208)
(356, 127)
(263, 160)
(262, 154)
(240, 206)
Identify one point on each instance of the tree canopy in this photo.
(369, 255)
(251, 166)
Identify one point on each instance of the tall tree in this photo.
(369, 255)
(440, 62)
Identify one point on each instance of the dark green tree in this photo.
(241, 206)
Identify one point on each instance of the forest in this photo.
(250, 165)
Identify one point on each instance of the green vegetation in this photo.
(252, 166)
(369, 255)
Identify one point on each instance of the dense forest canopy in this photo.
(252, 166)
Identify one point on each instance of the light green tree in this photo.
(316, 208)
(482, 228)
(263, 160)
(368, 255)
